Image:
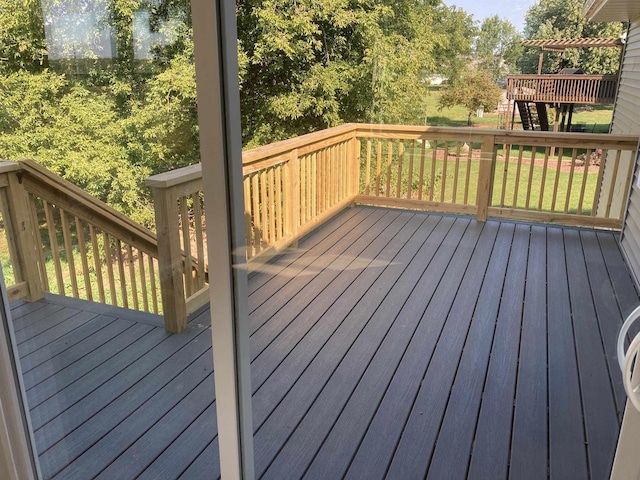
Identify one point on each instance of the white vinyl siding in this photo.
(626, 120)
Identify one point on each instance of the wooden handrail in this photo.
(584, 89)
(56, 190)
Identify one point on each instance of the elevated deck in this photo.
(563, 89)
(389, 343)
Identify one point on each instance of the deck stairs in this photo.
(533, 115)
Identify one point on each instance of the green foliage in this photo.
(498, 46)
(474, 90)
(304, 65)
(563, 19)
(76, 133)
(22, 44)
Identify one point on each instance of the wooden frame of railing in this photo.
(584, 89)
(529, 176)
(292, 186)
(96, 252)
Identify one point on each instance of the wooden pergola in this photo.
(561, 44)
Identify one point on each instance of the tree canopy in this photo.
(498, 46)
(564, 19)
(474, 90)
(79, 94)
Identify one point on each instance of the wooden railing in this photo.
(289, 188)
(533, 176)
(584, 89)
(72, 244)
(62, 240)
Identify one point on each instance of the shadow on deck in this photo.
(389, 343)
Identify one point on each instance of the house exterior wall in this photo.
(626, 120)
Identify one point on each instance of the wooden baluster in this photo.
(278, 175)
(545, 167)
(506, 152)
(257, 226)
(186, 246)
(389, 161)
(84, 259)
(400, 161)
(517, 179)
(68, 247)
(585, 173)
(248, 230)
(292, 194)
(445, 160)
(468, 173)
(315, 179)
(305, 193)
(132, 278)
(55, 251)
(412, 153)
(627, 186)
(596, 195)
(198, 218)
(152, 281)
(557, 178)
(356, 165)
(122, 278)
(263, 206)
(97, 263)
(109, 261)
(271, 206)
(434, 159)
(423, 150)
(378, 166)
(570, 182)
(143, 281)
(530, 180)
(455, 174)
(39, 244)
(367, 173)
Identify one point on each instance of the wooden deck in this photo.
(390, 343)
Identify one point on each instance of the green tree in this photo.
(475, 89)
(498, 46)
(563, 19)
(22, 40)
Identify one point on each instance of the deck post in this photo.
(485, 177)
(292, 194)
(170, 259)
(21, 237)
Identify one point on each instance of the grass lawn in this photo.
(523, 187)
(596, 118)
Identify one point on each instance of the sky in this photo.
(512, 10)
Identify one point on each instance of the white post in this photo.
(215, 42)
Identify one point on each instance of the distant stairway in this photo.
(533, 115)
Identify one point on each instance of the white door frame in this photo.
(216, 58)
(17, 459)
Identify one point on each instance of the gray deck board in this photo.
(567, 451)
(529, 439)
(600, 415)
(492, 443)
(386, 344)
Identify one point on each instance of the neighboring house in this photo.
(626, 114)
